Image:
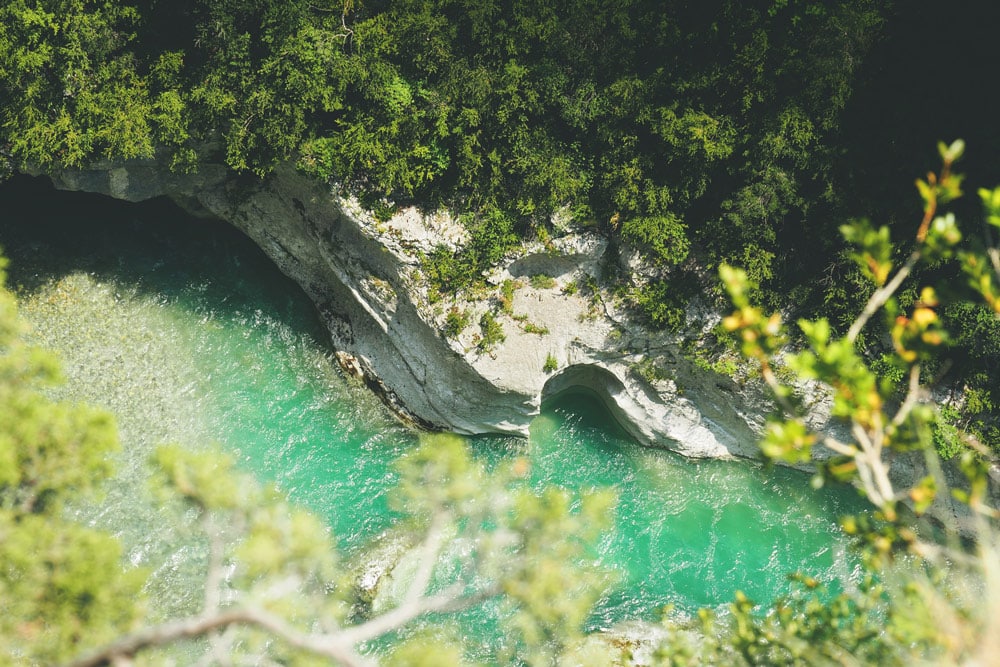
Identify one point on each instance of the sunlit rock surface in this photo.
(363, 275)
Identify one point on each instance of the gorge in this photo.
(188, 333)
(364, 278)
(493, 332)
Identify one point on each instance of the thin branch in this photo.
(839, 447)
(220, 641)
(429, 551)
(222, 645)
(994, 255)
(865, 475)
(449, 600)
(337, 645)
(871, 459)
(214, 575)
(128, 646)
(879, 298)
(944, 556)
(925, 223)
(280, 588)
(776, 387)
(913, 395)
(871, 468)
(992, 251)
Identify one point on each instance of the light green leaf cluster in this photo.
(62, 586)
(762, 336)
(263, 551)
(554, 589)
(538, 547)
(205, 478)
(883, 421)
(856, 394)
(789, 440)
(991, 202)
(875, 249)
(439, 476)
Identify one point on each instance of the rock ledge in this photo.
(363, 275)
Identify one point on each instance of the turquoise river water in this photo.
(185, 331)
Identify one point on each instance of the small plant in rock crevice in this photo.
(551, 363)
(455, 322)
(492, 332)
(542, 281)
(506, 298)
(532, 328)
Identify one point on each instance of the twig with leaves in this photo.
(860, 397)
(272, 569)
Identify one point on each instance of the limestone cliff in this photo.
(364, 278)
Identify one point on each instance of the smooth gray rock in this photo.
(364, 278)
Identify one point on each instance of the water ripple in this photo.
(187, 349)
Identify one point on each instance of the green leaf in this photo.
(991, 205)
(942, 236)
(923, 494)
(926, 191)
(789, 441)
(952, 153)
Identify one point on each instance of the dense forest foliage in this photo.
(669, 124)
(641, 116)
(698, 133)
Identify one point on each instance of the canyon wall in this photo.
(364, 277)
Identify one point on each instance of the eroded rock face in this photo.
(364, 278)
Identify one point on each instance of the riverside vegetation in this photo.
(272, 585)
(188, 334)
(696, 135)
(703, 136)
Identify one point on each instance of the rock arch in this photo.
(597, 381)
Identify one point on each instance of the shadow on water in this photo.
(234, 351)
(592, 408)
(53, 234)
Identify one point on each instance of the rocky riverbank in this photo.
(364, 277)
